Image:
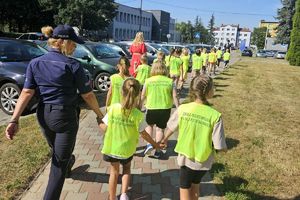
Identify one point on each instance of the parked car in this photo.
(15, 56)
(33, 37)
(247, 52)
(99, 59)
(280, 55)
(170, 46)
(270, 53)
(193, 47)
(261, 54)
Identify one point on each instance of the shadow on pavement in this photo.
(150, 186)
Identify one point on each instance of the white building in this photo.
(127, 22)
(233, 33)
(244, 34)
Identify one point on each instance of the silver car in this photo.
(261, 53)
(280, 55)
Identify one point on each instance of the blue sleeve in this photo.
(29, 78)
(82, 81)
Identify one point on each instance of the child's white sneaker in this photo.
(124, 197)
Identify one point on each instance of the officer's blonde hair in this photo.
(59, 44)
(159, 68)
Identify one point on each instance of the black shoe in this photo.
(70, 165)
(158, 154)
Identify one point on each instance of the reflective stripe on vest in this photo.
(159, 92)
(122, 134)
(196, 123)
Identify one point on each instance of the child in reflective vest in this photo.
(212, 60)
(176, 69)
(200, 134)
(197, 63)
(114, 91)
(160, 93)
(226, 57)
(160, 57)
(123, 125)
(185, 57)
(219, 56)
(143, 70)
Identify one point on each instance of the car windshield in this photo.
(103, 51)
(261, 51)
(281, 52)
(15, 52)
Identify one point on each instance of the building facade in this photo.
(160, 25)
(233, 33)
(127, 23)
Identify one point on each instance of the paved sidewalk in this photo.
(152, 179)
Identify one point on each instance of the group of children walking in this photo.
(200, 127)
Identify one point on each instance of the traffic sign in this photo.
(168, 35)
(197, 35)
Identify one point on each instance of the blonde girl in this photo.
(204, 56)
(176, 68)
(114, 92)
(160, 57)
(212, 60)
(185, 57)
(160, 93)
(122, 126)
(200, 133)
(143, 70)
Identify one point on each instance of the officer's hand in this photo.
(11, 130)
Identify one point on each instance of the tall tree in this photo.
(86, 14)
(258, 37)
(211, 24)
(285, 18)
(293, 55)
(198, 27)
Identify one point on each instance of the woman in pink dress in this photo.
(137, 49)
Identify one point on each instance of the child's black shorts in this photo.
(159, 117)
(189, 176)
(111, 159)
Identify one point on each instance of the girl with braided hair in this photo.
(122, 126)
(200, 133)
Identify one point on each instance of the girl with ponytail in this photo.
(122, 126)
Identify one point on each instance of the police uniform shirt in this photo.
(57, 78)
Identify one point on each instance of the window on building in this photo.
(121, 16)
(134, 19)
(228, 29)
(233, 29)
(124, 34)
(128, 18)
(125, 17)
(232, 33)
(116, 33)
(120, 33)
(245, 35)
(131, 19)
(227, 33)
(138, 20)
(222, 38)
(117, 16)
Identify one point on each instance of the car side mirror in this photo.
(87, 58)
(152, 52)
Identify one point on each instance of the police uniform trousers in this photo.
(59, 125)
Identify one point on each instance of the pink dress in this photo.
(136, 51)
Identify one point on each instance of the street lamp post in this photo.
(140, 25)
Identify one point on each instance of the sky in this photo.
(246, 13)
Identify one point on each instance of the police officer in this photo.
(57, 78)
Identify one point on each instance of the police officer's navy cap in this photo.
(66, 32)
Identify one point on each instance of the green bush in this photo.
(293, 55)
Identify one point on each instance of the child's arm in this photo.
(175, 99)
(149, 139)
(218, 137)
(102, 123)
(167, 134)
(143, 96)
(108, 97)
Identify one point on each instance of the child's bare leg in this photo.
(126, 177)
(159, 134)
(185, 194)
(195, 191)
(149, 130)
(113, 179)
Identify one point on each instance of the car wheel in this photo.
(102, 81)
(9, 94)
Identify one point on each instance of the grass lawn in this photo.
(260, 103)
(21, 158)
